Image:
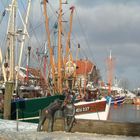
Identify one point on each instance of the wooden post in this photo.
(9, 88)
(17, 118)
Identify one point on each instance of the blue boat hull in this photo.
(118, 100)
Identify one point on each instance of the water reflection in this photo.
(137, 107)
(125, 113)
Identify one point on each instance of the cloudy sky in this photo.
(112, 25)
(103, 25)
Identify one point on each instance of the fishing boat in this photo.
(116, 94)
(93, 110)
(118, 100)
(61, 74)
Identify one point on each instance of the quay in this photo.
(99, 127)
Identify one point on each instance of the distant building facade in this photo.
(86, 72)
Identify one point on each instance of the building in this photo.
(86, 72)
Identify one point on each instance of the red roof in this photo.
(84, 67)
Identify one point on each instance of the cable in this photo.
(83, 33)
(2, 16)
(31, 25)
(33, 30)
(4, 11)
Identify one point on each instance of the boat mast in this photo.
(9, 87)
(12, 38)
(70, 66)
(52, 63)
(110, 72)
(69, 35)
(60, 48)
(24, 34)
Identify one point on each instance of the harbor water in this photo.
(125, 113)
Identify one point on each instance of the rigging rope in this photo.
(3, 42)
(4, 11)
(82, 30)
(2, 16)
(4, 35)
(33, 31)
(64, 28)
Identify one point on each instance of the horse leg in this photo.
(50, 123)
(41, 122)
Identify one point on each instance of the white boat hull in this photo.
(96, 115)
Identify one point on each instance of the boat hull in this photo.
(118, 100)
(93, 110)
(28, 110)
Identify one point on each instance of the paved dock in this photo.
(100, 127)
(27, 131)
